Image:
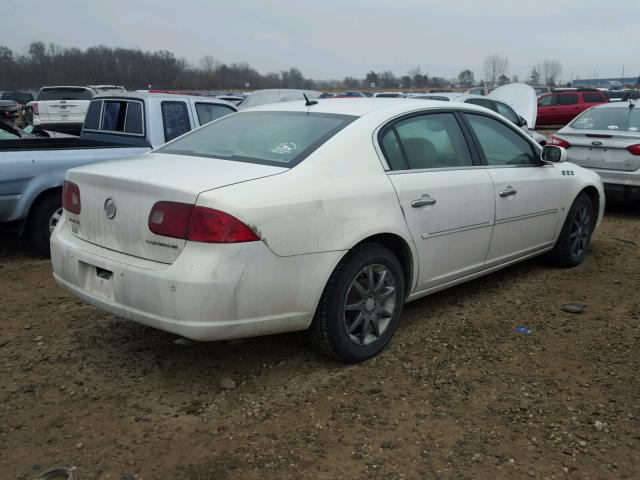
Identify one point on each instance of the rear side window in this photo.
(567, 99)
(592, 97)
(208, 112)
(115, 116)
(392, 152)
(507, 112)
(427, 141)
(500, 144)
(175, 119)
(65, 94)
(267, 138)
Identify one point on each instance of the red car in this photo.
(560, 107)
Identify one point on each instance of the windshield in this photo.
(618, 119)
(268, 138)
(65, 94)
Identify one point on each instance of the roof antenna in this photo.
(309, 103)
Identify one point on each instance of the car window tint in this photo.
(92, 120)
(433, 141)
(592, 97)
(507, 112)
(392, 152)
(65, 94)
(500, 144)
(113, 116)
(208, 112)
(567, 99)
(267, 138)
(546, 101)
(175, 119)
(481, 102)
(134, 120)
(613, 119)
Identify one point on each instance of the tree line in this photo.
(51, 64)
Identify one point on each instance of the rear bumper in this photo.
(620, 185)
(211, 292)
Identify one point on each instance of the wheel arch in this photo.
(38, 198)
(594, 195)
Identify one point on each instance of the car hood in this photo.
(522, 98)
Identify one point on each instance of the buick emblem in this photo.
(110, 208)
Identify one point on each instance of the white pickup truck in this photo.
(117, 125)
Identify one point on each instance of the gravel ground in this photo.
(459, 394)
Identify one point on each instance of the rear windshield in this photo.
(65, 94)
(20, 97)
(617, 119)
(268, 138)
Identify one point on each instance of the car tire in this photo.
(361, 305)
(573, 242)
(43, 218)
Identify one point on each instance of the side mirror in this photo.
(554, 153)
(521, 122)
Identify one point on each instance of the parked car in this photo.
(515, 101)
(540, 89)
(477, 91)
(117, 126)
(61, 108)
(108, 88)
(622, 95)
(350, 94)
(561, 106)
(9, 111)
(288, 216)
(21, 98)
(606, 139)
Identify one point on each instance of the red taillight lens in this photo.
(634, 149)
(170, 219)
(213, 226)
(559, 142)
(198, 224)
(71, 197)
(34, 108)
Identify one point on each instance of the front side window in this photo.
(267, 138)
(175, 119)
(427, 141)
(507, 112)
(208, 112)
(567, 99)
(500, 144)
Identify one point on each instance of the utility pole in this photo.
(622, 79)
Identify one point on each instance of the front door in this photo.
(527, 192)
(446, 197)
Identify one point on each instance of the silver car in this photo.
(606, 138)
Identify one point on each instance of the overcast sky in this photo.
(332, 39)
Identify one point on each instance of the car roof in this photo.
(56, 87)
(362, 106)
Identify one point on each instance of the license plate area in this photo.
(97, 280)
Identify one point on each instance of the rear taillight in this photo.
(560, 142)
(198, 224)
(634, 149)
(71, 197)
(34, 108)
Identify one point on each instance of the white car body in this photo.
(308, 218)
(66, 110)
(605, 148)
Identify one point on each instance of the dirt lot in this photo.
(460, 393)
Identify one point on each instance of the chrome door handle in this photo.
(508, 191)
(422, 201)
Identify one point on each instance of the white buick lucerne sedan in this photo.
(318, 215)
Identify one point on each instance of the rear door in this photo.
(64, 104)
(568, 107)
(527, 193)
(445, 194)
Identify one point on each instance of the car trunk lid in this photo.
(603, 149)
(117, 197)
